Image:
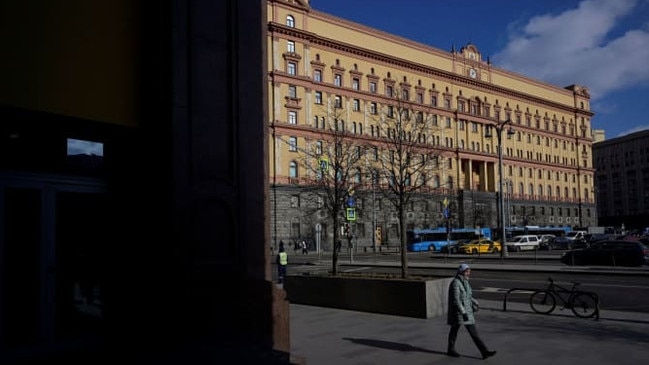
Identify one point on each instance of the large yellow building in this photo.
(317, 61)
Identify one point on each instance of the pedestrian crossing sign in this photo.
(351, 214)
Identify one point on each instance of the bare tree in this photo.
(332, 164)
(403, 158)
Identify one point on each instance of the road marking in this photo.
(489, 289)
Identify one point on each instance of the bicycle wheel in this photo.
(542, 302)
(583, 304)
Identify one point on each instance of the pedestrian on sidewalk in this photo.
(305, 250)
(461, 307)
(282, 262)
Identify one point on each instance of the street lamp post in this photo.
(501, 197)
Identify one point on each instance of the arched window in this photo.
(292, 169)
(558, 192)
(290, 21)
(565, 192)
(450, 182)
(436, 181)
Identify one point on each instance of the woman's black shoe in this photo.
(488, 354)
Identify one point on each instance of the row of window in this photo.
(524, 212)
(473, 106)
(541, 191)
(475, 127)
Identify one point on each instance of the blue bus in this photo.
(559, 231)
(433, 239)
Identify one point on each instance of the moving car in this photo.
(524, 242)
(562, 243)
(454, 246)
(482, 245)
(609, 253)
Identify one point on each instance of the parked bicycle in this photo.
(582, 303)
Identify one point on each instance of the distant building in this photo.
(322, 67)
(599, 135)
(622, 180)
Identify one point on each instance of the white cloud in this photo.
(574, 47)
(633, 130)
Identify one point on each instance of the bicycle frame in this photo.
(560, 292)
(582, 303)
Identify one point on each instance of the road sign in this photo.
(351, 202)
(324, 163)
(351, 214)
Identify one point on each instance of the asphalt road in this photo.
(627, 292)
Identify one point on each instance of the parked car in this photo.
(523, 242)
(482, 245)
(609, 253)
(562, 243)
(576, 235)
(592, 238)
(454, 247)
(544, 241)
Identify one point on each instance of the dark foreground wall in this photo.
(175, 218)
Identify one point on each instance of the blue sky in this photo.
(601, 44)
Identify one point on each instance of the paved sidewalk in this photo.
(326, 336)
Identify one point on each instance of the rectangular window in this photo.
(295, 201)
(390, 112)
(356, 84)
(447, 103)
(448, 122)
(318, 147)
(406, 95)
(318, 97)
(338, 80)
(389, 91)
(290, 46)
(292, 117)
(357, 105)
(460, 106)
(420, 98)
(338, 102)
(433, 100)
(373, 108)
(460, 125)
(292, 91)
(434, 120)
(373, 87)
(474, 127)
(317, 75)
(292, 144)
(291, 68)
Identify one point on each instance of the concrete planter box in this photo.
(419, 298)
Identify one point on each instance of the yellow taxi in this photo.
(482, 245)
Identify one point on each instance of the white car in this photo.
(523, 243)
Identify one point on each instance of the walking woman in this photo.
(460, 312)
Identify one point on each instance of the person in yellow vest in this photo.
(282, 261)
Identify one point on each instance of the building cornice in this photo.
(314, 39)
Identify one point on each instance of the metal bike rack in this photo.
(513, 290)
